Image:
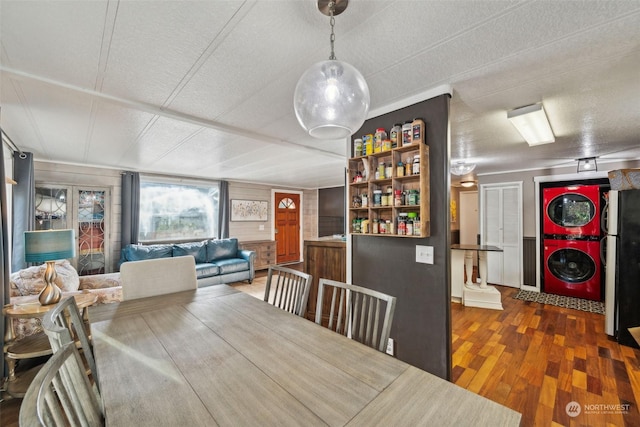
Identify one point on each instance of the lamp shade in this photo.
(331, 100)
(49, 245)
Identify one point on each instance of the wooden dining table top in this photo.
(216, 356)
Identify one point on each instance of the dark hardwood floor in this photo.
(538, 358)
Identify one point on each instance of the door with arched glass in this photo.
(287, 227)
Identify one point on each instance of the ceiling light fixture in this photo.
(467, 184)
(532, 123)
(331, 99)
(587, 164)
(462, 168)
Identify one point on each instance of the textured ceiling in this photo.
(205, 88)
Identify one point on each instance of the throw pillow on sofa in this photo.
(30, 281)
(198, 250)
(222, 249)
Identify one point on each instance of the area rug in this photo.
(561, 301)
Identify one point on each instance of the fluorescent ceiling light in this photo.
(532, 123)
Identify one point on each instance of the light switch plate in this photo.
(261, 227)
(424, 254)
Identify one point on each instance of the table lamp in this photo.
(49, 246)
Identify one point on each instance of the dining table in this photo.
(217, 356)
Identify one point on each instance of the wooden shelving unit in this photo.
(366, 167)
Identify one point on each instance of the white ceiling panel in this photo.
(59, 40)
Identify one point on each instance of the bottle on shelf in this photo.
(396, 135)
(417, 131)
(406, 133)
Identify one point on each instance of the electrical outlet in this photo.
(261, 227)
(390, 345)
(424, 254)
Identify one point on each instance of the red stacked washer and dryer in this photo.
(571, 229)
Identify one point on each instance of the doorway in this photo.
(287, 226)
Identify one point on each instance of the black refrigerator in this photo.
(622, 268)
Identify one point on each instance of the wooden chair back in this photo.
(159, 276)
(63, 324)
(288, 289)
(60, 394)
(359, 313)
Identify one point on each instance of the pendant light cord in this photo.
(332, 21)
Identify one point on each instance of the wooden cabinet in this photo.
(265, 252)
(323, 258)
(374, 181)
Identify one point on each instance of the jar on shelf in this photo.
(364, 226)
(417, 131)
(356, 201)
(356, 225)
(357, 147)
(397, 198)
(378, 137)
(388, 171)
(415, 166)
(375, 228)
(402, 224)
(417, 226)
(364, 198)
(381, 170)
(400, 169)
(413, 198)
(406, 133)
(408, 166)
(367, 142)
(396, 135)
(377, 197)
(383, 227)
(390, 228)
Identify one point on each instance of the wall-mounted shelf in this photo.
(364, 182)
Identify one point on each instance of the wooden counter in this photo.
(323, 258)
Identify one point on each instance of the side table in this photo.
(33, 346)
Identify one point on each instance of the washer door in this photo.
(571, 210)
(571, 265)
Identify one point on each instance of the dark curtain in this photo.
(4, 251)
(223, 211)
(24, 196)
(130, 208)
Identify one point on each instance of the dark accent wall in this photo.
(529, 261)
(421, 326)
(331, 211)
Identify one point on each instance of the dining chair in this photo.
(159, 276)
(355, 312)
(60, 394)
(64, 324)
(288, 289)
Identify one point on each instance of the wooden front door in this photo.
(287, 227)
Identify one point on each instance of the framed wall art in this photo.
(249, 210)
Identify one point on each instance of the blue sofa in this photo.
(217, 261)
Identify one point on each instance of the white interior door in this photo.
(501, 226)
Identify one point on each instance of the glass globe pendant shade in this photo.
(331, 100)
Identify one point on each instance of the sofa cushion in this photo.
(234, 265)
(29, 281)
(206, 270)
(198, 250)
(222, 249)
(143, 252)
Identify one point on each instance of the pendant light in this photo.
(331, 99)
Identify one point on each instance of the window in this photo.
(177, 211)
